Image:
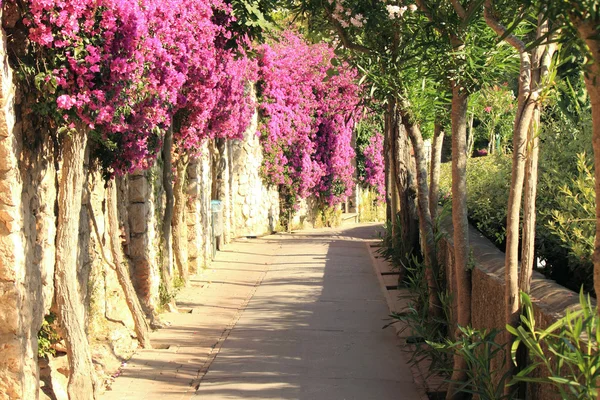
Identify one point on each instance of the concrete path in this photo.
(292, 316)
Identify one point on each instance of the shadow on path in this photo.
(313, 329)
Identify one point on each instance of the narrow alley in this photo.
(287, 316)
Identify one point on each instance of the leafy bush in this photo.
(571, 361)
(479, 350)
(371, 210)
(488, 181)
(565, 224)
(47, 336)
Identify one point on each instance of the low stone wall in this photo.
(550, 300)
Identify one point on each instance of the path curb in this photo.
(418, 377)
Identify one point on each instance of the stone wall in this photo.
(550, 300)
(29, 171)
(254, 206)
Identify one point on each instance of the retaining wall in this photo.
(550, 300)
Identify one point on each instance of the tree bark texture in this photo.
(407, 192)
(471, 136)
(179, 226)
(425, 222)
(386, 152)
(393, 170)
(167, 250)
(541, 61)
(71, 313)
(434, 173)
(461, 228)
(120, 265)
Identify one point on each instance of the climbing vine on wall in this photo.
(308, 109)
(129, 69)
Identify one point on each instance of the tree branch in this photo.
(460, 11)
(349, 44)
(492, 21)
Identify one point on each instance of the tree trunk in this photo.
(425, 222)
(167, 250)
(179, 225)
(407, 192)
(461, 228)
(387, 165)
(471, 137)
(541, 61)
(531, 174)
(70, 308)
(393, 169)
(120, 266)
(526, 105)
(588, 30)
(434, 173)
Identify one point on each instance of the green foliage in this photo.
(565, 198)
(392, 248)
(427, 333)
(494, 109)
(485, 359)
(573, 221)
(253, 17)
(47, 336)
(370, 208)
(566, 351)
(488, 182)
(328, 217)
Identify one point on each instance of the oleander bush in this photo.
(565, 200)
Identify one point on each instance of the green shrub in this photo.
(371, 210)
(482, 354)
(488, 182)
(47, 336)
(565, 203)
(571, 361)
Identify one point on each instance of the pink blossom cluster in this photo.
(306, 130)
(130, 69)
(374, 174)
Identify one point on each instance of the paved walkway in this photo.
(291, 316)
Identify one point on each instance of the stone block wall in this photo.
(254, 206)
(550, 300)
(29, 172)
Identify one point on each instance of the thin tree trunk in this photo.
(387, 166)
(393, 195)
(471, 136)
(461, 228)
(541, 60)
(434, 173)
(120, 266)
(167, 256)
(81, 381)
(407, 192)
(425, 222)
(526, 106)
(531, 174)
(179, 225)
